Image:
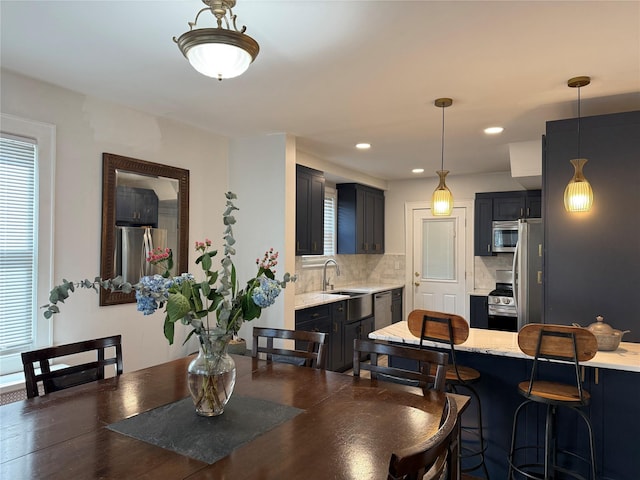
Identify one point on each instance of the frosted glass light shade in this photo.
(578, 195)
(219, 60)
(442, 198)
(218, 52)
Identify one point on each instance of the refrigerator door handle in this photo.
(514, 275)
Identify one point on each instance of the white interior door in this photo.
(439, 263)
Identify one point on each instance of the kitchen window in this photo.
(26, 208)
(330, 230)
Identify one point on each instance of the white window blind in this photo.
(330, 201)
(18, 242)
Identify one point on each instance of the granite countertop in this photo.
(505, 344)
(312, 299)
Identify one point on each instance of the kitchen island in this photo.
(612, 379)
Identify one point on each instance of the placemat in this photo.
(177, 427)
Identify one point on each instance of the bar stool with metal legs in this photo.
(453, 330)
(568, 344)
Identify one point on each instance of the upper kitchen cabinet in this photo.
(501, 206)
(136, 207)
(309, 211)
(360, 219)
(518, 204)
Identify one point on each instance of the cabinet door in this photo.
(350, 332)
(309, 211)
(509, 207)
(125, 206)
(147, 206)
(376, 216)
(336, 351)
(534, 204)
(396, 305)
(483, 218)
(479, 311)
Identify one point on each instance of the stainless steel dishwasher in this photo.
(382, 309)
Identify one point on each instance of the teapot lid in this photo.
(600, 327)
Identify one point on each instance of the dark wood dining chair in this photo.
(310, 348)
(432, 366)
(451, 329)
(430, 460)
(54, 379)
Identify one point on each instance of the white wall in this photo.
(463, 187)
(87, 127)
(262, 174)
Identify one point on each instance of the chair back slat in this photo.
(432, 458)
(310, 347)
(61, 378)
(432, 366)
(557, 342)
(436, 326)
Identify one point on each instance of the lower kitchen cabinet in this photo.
(320, 319)
(359, 329)
(478, 308)
(396, 305)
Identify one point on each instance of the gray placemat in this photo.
(177, 427)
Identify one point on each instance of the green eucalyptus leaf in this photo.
(48, 314)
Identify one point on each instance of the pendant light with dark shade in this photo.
(442, 199)
(578, 195)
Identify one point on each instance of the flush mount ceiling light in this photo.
(442, 199)
(417, 170)
(578, 195)
(493, 130)
(363, 146)
(219, 52)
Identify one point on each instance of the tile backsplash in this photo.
(485, 269)
(372, 269)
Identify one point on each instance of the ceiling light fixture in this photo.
(417, 170)
(578, 195)
(442, 199)
(363, 146)
(218, 52)
(493, 130)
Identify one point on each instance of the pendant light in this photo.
(219, 52)
(578, 195)
(442, 199)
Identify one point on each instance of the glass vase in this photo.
(212, 375)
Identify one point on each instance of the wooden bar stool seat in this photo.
(452, 330)
(559, 343)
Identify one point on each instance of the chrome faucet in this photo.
(325, 283)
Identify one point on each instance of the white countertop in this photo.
(312, 299)
(505, 344)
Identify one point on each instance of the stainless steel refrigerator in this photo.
(527, 272)
(133, 245)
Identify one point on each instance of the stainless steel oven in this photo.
(505, 236)
(501, 308)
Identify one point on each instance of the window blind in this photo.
(18, 241)
(329, 223)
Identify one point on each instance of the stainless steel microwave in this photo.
(505, 236)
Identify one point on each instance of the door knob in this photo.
(417, 284)
(417, 274)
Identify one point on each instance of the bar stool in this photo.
(553, 342)
(453, 330)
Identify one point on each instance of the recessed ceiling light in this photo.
(493, 130)
(363, 146)
(417, 170)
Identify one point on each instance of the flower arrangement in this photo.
(190, 301)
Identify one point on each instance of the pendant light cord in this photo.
(442, 150)
(579, 122)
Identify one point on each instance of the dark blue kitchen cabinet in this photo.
(482, 225)
(478, 308)
(136, 207)
(517, 204)
(360, 219)
(309, 211)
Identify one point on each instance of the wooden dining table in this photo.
(340, 427)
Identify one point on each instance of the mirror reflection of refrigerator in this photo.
(132, 247)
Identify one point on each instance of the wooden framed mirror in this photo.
(143, 203)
